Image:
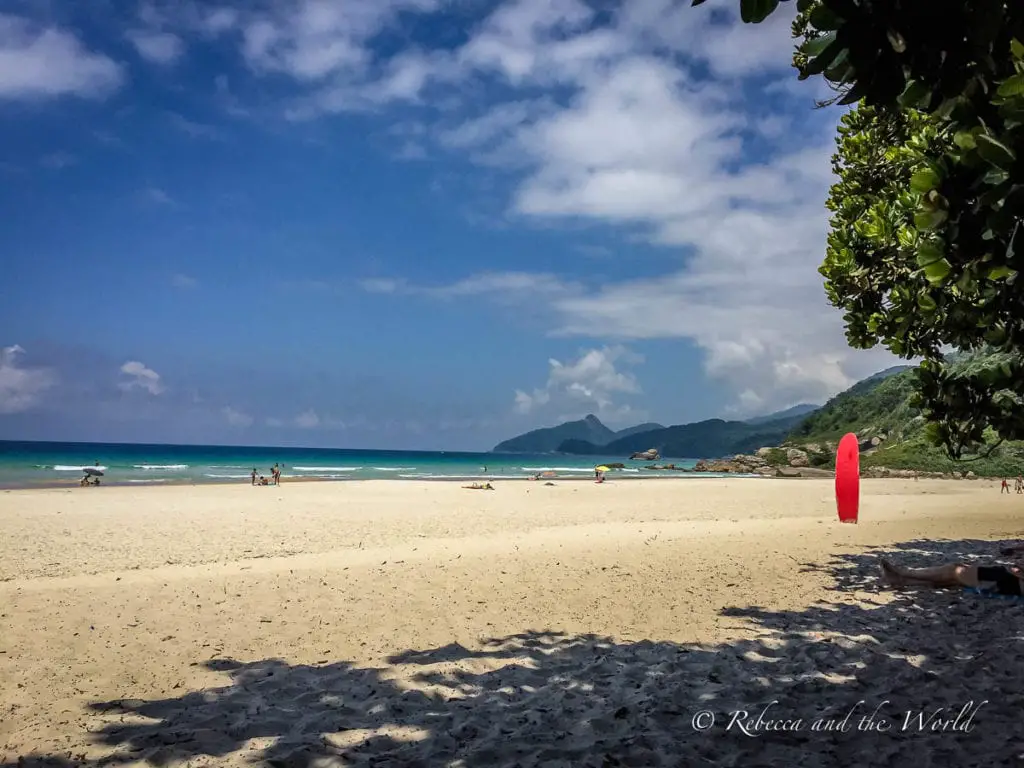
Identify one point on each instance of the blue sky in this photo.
(406, 223)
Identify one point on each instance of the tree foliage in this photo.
(927, 242)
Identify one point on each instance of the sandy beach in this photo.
(421, 624)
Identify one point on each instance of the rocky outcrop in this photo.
(913, 473)
(758, 465)
(797, 458)
(739, 464)
(651, 454)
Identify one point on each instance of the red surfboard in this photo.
(848, 478)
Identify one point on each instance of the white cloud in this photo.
(498, 286)
(652, 117)
(58, 160)
(235, 417)
(589, 384)
(138, 376)
(194, 129)
(313, 40)
(157, 195)
(307, 420)
(21, 388)
(41, 62)
(183, 281)
(162, 48)
(643, 142)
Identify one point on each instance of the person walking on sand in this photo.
(1019, 484)
(1005, 487)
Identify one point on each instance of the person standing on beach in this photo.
(1004, 487)
(276, 474)
(254, 473)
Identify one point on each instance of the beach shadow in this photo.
(833, 685)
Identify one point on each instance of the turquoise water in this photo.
(25, 464)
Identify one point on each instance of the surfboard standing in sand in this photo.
(848, 478)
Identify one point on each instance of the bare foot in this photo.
(890, 575)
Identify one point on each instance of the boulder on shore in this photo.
(651, 454)
(741, 464)
(797, 458)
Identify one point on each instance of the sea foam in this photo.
(326, 469)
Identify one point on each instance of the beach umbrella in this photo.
(603, 468)
(848, 478)
(93, 471)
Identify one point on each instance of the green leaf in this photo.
(999, 273)
(938, 271)
(929, 220)
(928, 252)
(965, 140)
(1017, 48)
(815, 46)
(995, 152)
(926, 302)
(756, 11)
(945, 109)
(924, 180)
(1013, 86)
(906, 237)
(820, 63)
(914, 94)
(995, 177)
(824, 18)
(995, 336)
(896, 40)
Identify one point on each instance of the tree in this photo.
(927, 242)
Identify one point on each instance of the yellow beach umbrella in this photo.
(603, 468)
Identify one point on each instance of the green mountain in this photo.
(589, 430)
(878, 410)
(548, 439)
(891, 429)
(797, 410)
(645, 427)
(877, 404)
(714, 437)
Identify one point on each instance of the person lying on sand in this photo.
(1001, 579)
(480, 487)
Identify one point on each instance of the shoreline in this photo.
(44, 485)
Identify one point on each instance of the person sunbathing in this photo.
(479, 487)
(1001, 579)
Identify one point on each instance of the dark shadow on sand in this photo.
(548, 699)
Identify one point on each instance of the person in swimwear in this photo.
(1001, 579)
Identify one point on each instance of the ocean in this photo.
(32, 464)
